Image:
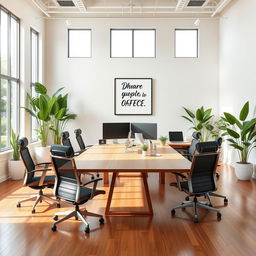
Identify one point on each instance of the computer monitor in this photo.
(149, 130)
(176, 136)
(115, 130)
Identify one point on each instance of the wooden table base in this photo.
(129, 213)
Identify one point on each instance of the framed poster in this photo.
(133, 96)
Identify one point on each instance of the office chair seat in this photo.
(85, 194)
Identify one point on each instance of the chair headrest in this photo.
(207, 147)
(196, 135)
(23, 142)
(65, 135)
(219, 140)
(78, 132)
(60, 150)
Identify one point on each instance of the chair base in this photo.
(196, 204)
(39, 198)
(78, 214)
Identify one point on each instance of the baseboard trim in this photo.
(4, 178)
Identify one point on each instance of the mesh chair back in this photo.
(67, 185)
(79, 139)
(27, 160)
(66, 141)
(204, 164)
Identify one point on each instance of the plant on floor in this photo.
(202, 121)
(242, 134)
(14, 138)
(163, 139)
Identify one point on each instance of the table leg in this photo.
(110, 195)
(106, 178)
(162, 177)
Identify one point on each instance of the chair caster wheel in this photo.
(87, 230)
(92, 178)
(217, 175)
(173, 212)
(98, 175)
(101, 220)
(187, 198)
(18, 205)
(196, 220)
(225, 201)
(33, 211)
(55, 217)
(210, 205)
(54, 228)
(58, 205)
(218, 215)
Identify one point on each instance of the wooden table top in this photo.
(179, 144)
(113, 158)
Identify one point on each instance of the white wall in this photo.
(90, 82)
(238, 61)
(29, 17)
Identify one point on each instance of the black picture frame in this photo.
(145, 85)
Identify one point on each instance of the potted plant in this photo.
(41, 108)
(15, 165)
(163, 140)
(202, 121)
(144, 149)
(242, 138)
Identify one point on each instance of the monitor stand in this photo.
(115, 141)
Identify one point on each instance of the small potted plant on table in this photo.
(144, 149)
(163, 140)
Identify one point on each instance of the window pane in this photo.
(34, 57)
(79, 43)
(3, 113)
(14, 48)
(121, 43)
(186, 43)
(4, 43)
(144, 43)
(14, 106)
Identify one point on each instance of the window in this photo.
(79, 43)
(133, 43)
(9, 76)
(34, 63)
(186, 43)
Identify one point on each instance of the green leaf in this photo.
(199, 126)
(42, 114)
(233, 133)
(232, 120)
(41, 89)
(59, 115)
(207, 113)
(56, 93)
(187, 119)
(237, 147)
(244, 112)
(189, 112)
(249, 125)
(232, 141)
(199, 115)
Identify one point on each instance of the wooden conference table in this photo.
(113, 158)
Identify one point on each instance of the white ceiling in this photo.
(131, 8)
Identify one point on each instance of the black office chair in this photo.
(175, 136)
(80, 140)
(201, 179)
(32, 181)
(69, 188)
(192, 148)
(66, 142)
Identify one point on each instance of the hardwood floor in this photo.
(24, 233)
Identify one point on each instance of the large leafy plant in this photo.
(201, 120)
(242, 134)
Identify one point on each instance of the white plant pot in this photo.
(243, 171)
(16, 169)
(42, 154)
(144, 153)
(254, 172)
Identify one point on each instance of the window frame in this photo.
(9, 78)
(197, 42)
(81, 29)
(132, 29)
(32, 84)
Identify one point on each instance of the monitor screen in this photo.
(115, 130)
(149, 130)
(176, 136)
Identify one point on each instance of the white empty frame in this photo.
(121, 43)
(144, 43)
(186, 43)
(79, 43)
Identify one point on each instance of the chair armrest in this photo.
(41, 170)
(180, 174)
(94, 186)
(43, 163)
